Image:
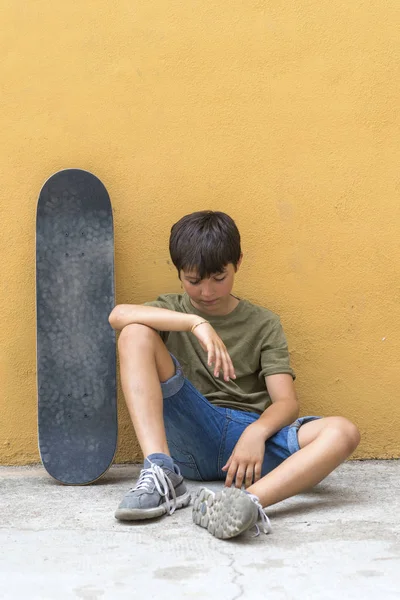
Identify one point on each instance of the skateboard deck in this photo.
(76, 353)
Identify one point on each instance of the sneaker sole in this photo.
(226, 514)
(140, 514)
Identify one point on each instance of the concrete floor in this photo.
(340, 540)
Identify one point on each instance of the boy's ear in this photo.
(239, 262)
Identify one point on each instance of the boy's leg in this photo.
(144, 362)
(319, 447)
(324, 444)
(171, 410)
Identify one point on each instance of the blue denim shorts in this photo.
(202, 436)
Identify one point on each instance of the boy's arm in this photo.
(245, 463)
(284, 408)
(163, 319)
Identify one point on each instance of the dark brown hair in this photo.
(205, 242)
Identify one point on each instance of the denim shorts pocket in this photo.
(185, 462)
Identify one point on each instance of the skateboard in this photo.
(76, 349)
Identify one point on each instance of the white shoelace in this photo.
(266, 523)
(155, 476)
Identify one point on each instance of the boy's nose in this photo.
(207, 291)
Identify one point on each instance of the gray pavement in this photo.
(340, 540)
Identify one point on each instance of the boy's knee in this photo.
(140, 340)
(354, 434)
(137, 335)
(348, 433)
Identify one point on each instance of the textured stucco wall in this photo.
(283, 114)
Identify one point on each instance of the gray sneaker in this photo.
(157, 491)
(228, 513)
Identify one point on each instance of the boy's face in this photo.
(212, 294)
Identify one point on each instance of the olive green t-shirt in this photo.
(255, 342)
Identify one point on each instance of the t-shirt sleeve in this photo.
(159, 303)
(274, 352)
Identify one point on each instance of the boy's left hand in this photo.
(245, 463)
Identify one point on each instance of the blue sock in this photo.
(160, 459)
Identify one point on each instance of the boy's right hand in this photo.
(217, 352)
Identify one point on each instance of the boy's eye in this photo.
(197, 281)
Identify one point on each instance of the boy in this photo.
(209, 388)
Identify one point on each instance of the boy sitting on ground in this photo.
(209, 388)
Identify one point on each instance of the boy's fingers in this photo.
(221, 360)
(225, 366)
(228, 464)
(230, 368)
(231, 474)
(257, 472)
(211, 354)
(217, 362)
(240, 473)
(249, 476)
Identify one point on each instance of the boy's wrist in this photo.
(262, 428)
(198, 324)
(195, 321)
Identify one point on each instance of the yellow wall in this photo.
(284, 114)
